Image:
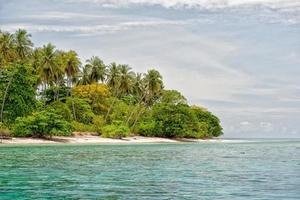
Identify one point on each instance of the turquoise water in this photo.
(247, 170)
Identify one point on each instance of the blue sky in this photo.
(238, 58)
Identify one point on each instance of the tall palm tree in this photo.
(126, 79)
(154, 86)
(49, 69)
(84, 76)
(71, 64)
(138, 92)
(97, 69)
(23, 44)
(113, 77)
(7, 48)
(113, 82)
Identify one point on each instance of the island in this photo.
(49, 93)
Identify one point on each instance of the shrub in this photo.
(4, 131)
(96, 126)
(146, 128)
(80, 127)
(62, 109)
(83, 110)
(115, 130)
(40, 124)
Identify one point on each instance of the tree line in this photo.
(45, 91)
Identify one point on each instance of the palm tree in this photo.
(23, 44)
(49, 69)
(153, 86)
(71, 64)
(138, 88)
(113, 82)
(71, 68)
(113, 77)
(84, 76)
(126, 79)
(7, 48)
(97, 69)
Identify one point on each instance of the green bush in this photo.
(115, 130)
(62, 109)
(40, 124)
(80, 127)
(4, 131)
(146, 128)
(96, 126)
(83, 110)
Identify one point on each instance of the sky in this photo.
(238, 58)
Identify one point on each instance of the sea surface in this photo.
(256, 169)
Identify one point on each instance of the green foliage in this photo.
(41, 124)
(95, 94)
(120, 111)
(116, 130)
(17, 92)
(173, 120)
(81, 127)
(214, 129)
(172, 97)
(55, 93)
(62, 109)
(4, 131)
(108, 99)
(98, 123)
(83, 110)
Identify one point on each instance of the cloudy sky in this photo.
(238, 58)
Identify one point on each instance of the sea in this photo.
(226, 169)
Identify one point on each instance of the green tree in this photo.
(7, 48)
(23, 44)
(97, 69)
(17, 92)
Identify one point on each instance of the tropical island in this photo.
(46, 92)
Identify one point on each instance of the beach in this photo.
(92, 139)
(88, 140)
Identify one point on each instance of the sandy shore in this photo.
(88, 140)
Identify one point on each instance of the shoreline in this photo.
(89, 139)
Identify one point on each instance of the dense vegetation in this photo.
(45, 91)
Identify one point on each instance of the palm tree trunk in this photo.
(137, 117)
(139, 103)
(4, 98)
(72, 99)
(110, 108)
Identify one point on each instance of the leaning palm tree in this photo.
(153, 88)
(113, 82)
(138, 88)
(23, 44)
(97, 69)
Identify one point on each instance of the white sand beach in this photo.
(90, 139)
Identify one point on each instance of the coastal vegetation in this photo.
(48, 92)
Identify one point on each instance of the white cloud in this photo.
(245, 123)
(89, 29)
(205, 4)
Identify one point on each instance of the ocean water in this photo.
(208, 170)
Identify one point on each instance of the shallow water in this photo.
(242, 170)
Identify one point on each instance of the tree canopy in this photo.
(46, 91)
